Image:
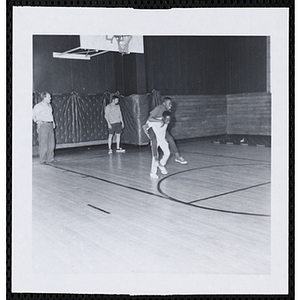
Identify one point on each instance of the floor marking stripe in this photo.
(109, 181)
(230, 192)
(99, 209)
(203, 207)
(207, 167)
(230, 211)
(219, 155)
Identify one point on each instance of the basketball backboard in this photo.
(92, 45)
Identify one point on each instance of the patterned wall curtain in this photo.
(80, 118)
(135, 110)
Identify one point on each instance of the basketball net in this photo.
(123, 43)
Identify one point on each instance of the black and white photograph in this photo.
(150, 151)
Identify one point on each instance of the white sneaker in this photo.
(110, 151)
(181, 160)
(153, 175)
(163, 170)
(120, 150)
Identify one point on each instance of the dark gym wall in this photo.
(186, 65)
(174, 65)
(65, 75)
(247, 65)
(203, 65)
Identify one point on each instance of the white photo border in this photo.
(28, 21)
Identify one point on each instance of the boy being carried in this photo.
(159, 129)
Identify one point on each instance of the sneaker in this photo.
(120, 150)
(163, 170)
(181, 160)
(53, 161)
(110, 151)
(153, 175)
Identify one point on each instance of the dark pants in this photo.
(46, 142)
(169, 138)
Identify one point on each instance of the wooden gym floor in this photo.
(99, 213)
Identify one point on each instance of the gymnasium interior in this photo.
(95, 213)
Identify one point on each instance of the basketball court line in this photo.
(228, 211)
(214, 196)
(99, 208)
(219, 155)
(164, 195)
(230, 192)
(107, 181)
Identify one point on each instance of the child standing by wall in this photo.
(115, 123)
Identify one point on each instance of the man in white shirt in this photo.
(115, 123)
(42, 115)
